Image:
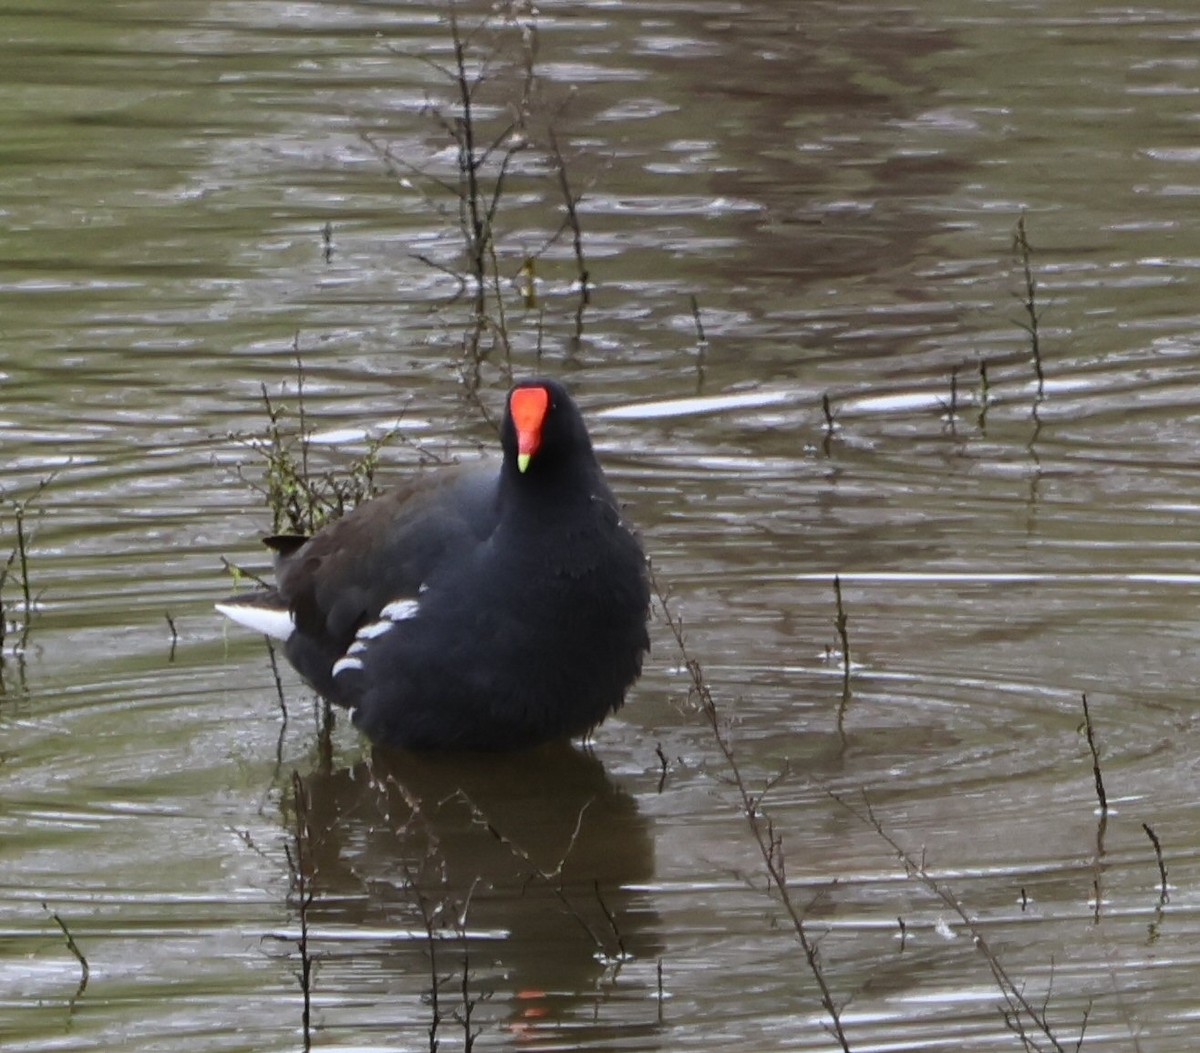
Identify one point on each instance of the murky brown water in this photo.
(837, 185)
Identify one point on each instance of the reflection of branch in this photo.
(298, 864)
(432, 910)
(1101, 796)
(769, 841)
(1017, 1005)
(552, 878)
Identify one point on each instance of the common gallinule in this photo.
(471, 609)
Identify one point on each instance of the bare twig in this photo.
(701, 343)
(1024, 252)
(468, 1003)
(1083, 1026)
(1158, 855)
(831, 424)
(611, 919)
(841, 622)
(769, 842)
(1018, 1007)
(73, 947)
(661, 995)
(174, 636)
(279, 696)
(663, 768)
(299, 864)
(570, 203)
(19, 558)
(1091, 741)
(984, 394)
(951, 407)
(700, 337)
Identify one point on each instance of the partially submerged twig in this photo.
(768, 840)
(841, 623)
(1091, 741)
(1158, 855)
(1018, 1005)
(73, 947)
(299, 865)
(1024, 252)
(18, 560)
(174, 636)
(984, 394)
(701, 343)
(488, 129)
(831, 424)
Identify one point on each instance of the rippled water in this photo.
(189, 191)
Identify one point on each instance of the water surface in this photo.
(191, 192)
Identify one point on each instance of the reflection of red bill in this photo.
(532, 1010)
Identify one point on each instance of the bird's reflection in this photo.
(515, 869)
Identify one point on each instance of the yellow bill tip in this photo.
(523, 460)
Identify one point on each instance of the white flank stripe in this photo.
(269, 620)
(371, 630)
(399, 610)
(357, 647)
(342, 664)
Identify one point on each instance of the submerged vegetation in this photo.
(17, 614)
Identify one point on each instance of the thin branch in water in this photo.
(662, 763)
(827, 412)
(841, 622)
(700, 337)
(174, 636)
(429, 919)
(468, 1003)
(831, 424)
(1024, 253)
(661, 995)
(571, 203)
(951, 407)
(701, 343)
(19, 558)
(279, 696)
(1091, 741)
(1162, 869)
(23, 562)
(73, 947)
(763, 832)
(1083, 1026)
(612, 921)
(298, 864)
(984, 394)
(1017, 1007)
